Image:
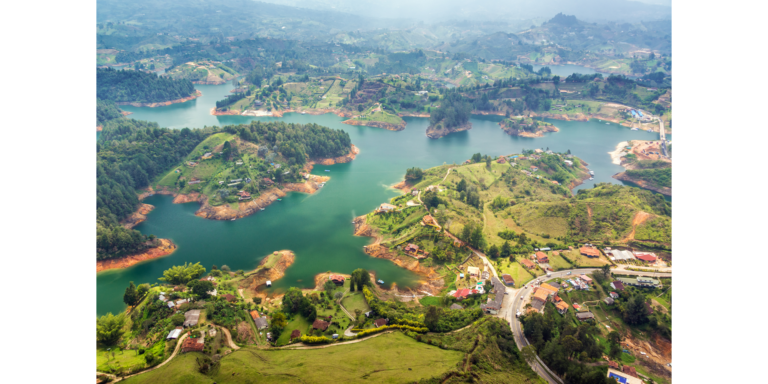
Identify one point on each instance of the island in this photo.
(142, 89)
(526, 127)
(451, 116)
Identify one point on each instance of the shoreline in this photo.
(376, 124)
(165, 248)
(256, 280)
(434, 133)
(520, 133)
(162, 103)
(616, 154)
(666, 191)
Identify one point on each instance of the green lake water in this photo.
(318, 227)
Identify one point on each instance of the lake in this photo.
(318, 227)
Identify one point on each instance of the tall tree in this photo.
(130, 296)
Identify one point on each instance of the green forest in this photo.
(137, 86)
(454, 111)
(657, 177)
(106, 110)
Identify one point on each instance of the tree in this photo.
(329, 286)
(529, 354)
(635, 312)
(182, 274)
(414, 173)
(493, 251)
(506, 249)
(292, 300)
(142, 290)
(361, 277)
(614, 338)
(109, 329)
(338, 295)
(488, 162)
(131, 296)
(432, 317)
(607, 270)
(177, 319)
(571, 344)
(201, 288)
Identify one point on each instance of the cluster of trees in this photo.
(106, 110)
(659, 177)
(469, 194)
(582, 78)
(134, 295)
(472, 234)
(130, 153)
(360, 278)
(564, 347)
(294, 302)
(439, 320)
(230, 99)
(414, 173)
(137, 86)
(454, 111)
(182, 274)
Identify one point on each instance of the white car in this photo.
(569, 272)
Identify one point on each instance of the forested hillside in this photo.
(106, 110)
(137, 86)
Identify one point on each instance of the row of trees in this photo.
(137, 86)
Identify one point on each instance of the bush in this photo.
(315, 339)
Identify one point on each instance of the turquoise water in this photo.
(318, 227)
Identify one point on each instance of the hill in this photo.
(135, 86)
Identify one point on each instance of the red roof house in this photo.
(527, 263)
(589, 252)
(193, 345)
(629, 371)
(337, 279)
(380, 322)
(461, 294)
(541, 257)
(647, 257)
(320, 324)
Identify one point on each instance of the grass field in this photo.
(558, 263)
(583, 261)
(123, 359)
(389, 358)
(520, 274)
(298, 322)
(355, 301)
(383, 117)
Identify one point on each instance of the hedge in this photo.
(383, 328)
(314, 339)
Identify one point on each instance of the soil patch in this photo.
(165, 248)
(436, 133)
(137, 217)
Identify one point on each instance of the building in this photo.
(617, 285)
(608, 300)
(243, 195)
(380, 322)
(320, 324)
(541, 295)
(508, 279)
(620, 255)
(494, 306)
(534, 168)
(267, 181)
(555, 285)
(614, 295)
(647, 257)
(473, 271)
(255, 315)
(502, 160)
(562, 307)
(261, 323)
(295, 334)
(191, 318)
(337, 279)
(629, 371)
(527, 263)
(174, 334)
(568, 162)
(582, 316)
(193, 345)
(415, 192)
(549, 288)
(461, 294)
(541, 257)
(537, 305)
(384, 207)
(586, 279)
(640, 281)
(622, 377)
(589, 251)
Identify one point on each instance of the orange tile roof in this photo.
(526, 263)
(541, 294)
(589, 251)
(549, 288)
(255, 314)
(562, 305)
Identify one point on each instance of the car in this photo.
(569, 272)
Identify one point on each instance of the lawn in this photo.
(583, 261)
(298, 322)
(558, 263)
(520, 274)
(358, 362)
(383, 117)
(355, 301)
(123, 359)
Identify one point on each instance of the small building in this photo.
(617, 285)
(541, 295)
(508, 279)
(191, 318)
(243, 195)
(614, 295)
(261, 323)
(337, 279)
(502, 160)
(295, 334)
(380, 322)
(320, 324)
(613, 364)
(384, 207)
(537, 305)
(608, 300)
(255, 315)
(641, 281)
(589, 252)
(193, 345)
(568, 162)
(534, 168)
(554, 285)
(473, 271)
(269, 283)
(647, 257)
(455, 307)
(527, 263)
(267, 181)
(586, 279)
(621, 377)
(562, 307)
(415, 192)
(547, 287)
(583, 316)
(174, 334)
(411, 248)
(629, 371)
(541, 257)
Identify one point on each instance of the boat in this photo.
(380, 281)
(279, 199)
(592, 173)
(607, 123)
(232, 220)
(591, 178)
(261, 209)
(634, 129)
(327, 170)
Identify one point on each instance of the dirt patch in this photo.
(137, 217)
(165, 248)
(640, 217)
(245, 333)
(257, 279)
(436, 133)
(225, 211)
(164, 103)
(353, 152)
(658, 353)
(643, 184)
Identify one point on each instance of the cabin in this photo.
(541, 257)
(337, 279)
(320, 324)
(589, 252)
(609, 300)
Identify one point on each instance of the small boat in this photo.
(592, 173)
(261, 209)
(380, 281)
(327, 170)
(279, 199)
(634, 129)
(607, 123)
(591, 178)
(232, 220)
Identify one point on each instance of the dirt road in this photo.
(175, 351)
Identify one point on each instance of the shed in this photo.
(261, 323)
(193, 345)
(320, 324)
(191, 318)
(608, 300)
(380, 322)
(174, 334)
(585, 316)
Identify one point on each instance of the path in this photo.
(229, 338)
(348, 331)
(334, 344)
(175, 351)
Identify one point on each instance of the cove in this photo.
(318, 227)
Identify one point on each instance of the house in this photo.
(368, 314)
(537, 305)
(617, 285)
(230, 298)
(295, 334)
(562, 307)
(641, 281)
(267, 181)
(614, 295)
(621, 377)
(244, 195)
(162, 298)
(261, 323)
(473, 271)
(494, 306)
(620, 255)
(534, 168)
(568, 162)
(411, 248)
(175, 333)
(455, 307)
(485, 275)
(552, 290)
(508, 279)
(538, 150)
(208, 278)
(191, 318)
(502, 160)
(554, 285)
(589, 252)
(613, 364)
(541, 295)
(182, 301)
(320, 324)
(647, 257)
(608, 300)
(582, 316)
(429, 220)
(586, 279)
(380, 322)
(541, 257)
(629, 370)
(384, 207)
(193, 345)
(337, 279)
(415, 192)
(255, 315)
(527, 263)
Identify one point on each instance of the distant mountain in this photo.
(443, 10)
